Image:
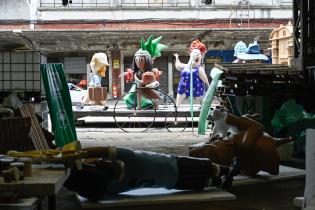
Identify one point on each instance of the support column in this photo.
(116, 70)
(170, 76)
(110, 75)
(122, 70)
(309, 196)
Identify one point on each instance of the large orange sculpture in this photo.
(255, 148)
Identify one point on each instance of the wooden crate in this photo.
(14, 134)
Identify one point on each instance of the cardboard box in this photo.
(97, 93)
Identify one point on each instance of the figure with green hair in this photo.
(153, 46)
(144, 75)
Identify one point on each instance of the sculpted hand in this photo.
(128, 75)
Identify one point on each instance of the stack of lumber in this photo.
(37, 135)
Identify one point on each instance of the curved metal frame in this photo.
(133, 116)
(138, 114)
(176, 124)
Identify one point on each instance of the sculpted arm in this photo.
(252, 129)
(178, 65)
(136, 79)
(203, 76)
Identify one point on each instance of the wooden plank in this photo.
(42, 139)
(45, 180)
(251, 68)
(21, 204)
(151, 196)
(285, 173)
(33, 128)
(37, 135)
(24, 114)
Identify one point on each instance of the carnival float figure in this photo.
(252, 54)
(115, 170)
(192, 69)
(244, 138)
(239, 48)
(144, 75)
(98, 70)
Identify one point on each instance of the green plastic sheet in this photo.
(59, 103)
(206, 104)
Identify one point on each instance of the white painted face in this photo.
(221, 128)
(195, 57)
(217, 115)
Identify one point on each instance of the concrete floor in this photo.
(275, 196)
(155, 139)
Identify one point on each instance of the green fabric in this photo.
(289, 113)
(59, 103)
(131, 98)
(206, 104)
(292, 120)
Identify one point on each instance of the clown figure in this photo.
(197, 51)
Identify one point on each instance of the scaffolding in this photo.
(241, 11)
(19, 72)
(20, 75)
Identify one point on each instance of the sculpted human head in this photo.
(143, 60)
(195, 57)
(197, 52)
(99, 63)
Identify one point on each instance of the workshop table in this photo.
(45, 182)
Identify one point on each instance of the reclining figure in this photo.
(119, 170)
(255, 149)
